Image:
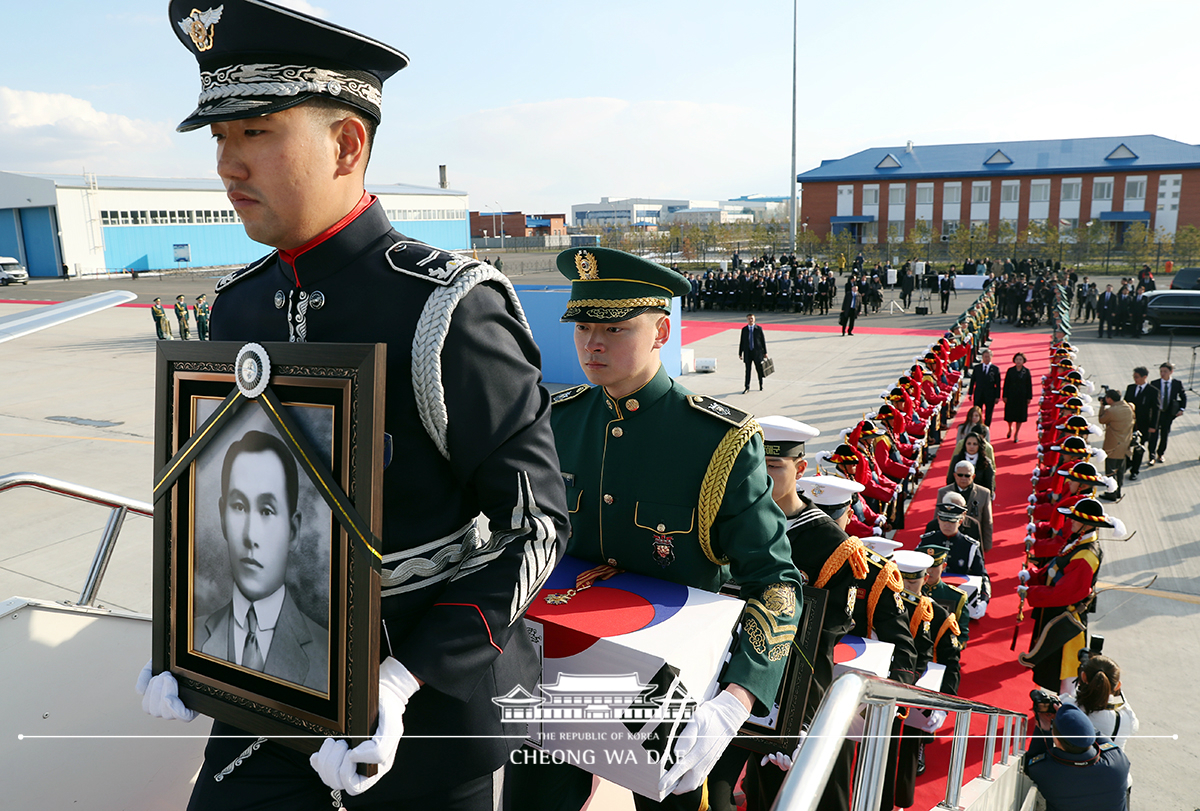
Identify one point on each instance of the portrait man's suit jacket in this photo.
(299, 650)
(979, 507)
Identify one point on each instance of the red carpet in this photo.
(990, 672)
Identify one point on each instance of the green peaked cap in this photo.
(611, 285)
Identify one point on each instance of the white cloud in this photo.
(304, 7)
(51, 132)
(548, 155)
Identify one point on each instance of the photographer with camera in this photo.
(1074, 768)
(1098, 693)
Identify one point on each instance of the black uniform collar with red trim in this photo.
(338, 245)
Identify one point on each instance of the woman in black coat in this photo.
(975, 450)
(1017, 392)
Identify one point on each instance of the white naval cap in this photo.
(909, 561)
(881, 546)
(828, 491)
(783, 436)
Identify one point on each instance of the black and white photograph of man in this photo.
(262, 550)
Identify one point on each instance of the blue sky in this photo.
(536, 106)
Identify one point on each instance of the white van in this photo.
(12, 271)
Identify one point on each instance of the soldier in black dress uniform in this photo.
(477, 440)
(936, 637)
(817, 509)
(966, 553)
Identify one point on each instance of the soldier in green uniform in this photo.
(181, 315)
(697, 512)
(161, 325)
(949, 597)
(202, 317)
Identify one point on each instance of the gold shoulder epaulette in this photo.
(566, 395)
(721, 411)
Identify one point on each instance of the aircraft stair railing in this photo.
(120, 506)
(806, 780)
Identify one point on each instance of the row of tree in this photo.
(1096, 245)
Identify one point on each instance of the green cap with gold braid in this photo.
(610, 285)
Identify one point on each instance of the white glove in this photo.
(784, 762)
(337, 764)
(1021, 590)
(160, 696)
(936, 719)
(1033, 499)
(912, 469)
(702, 742)
(880, 521)
(876, 531)
(1023, 576)
(1031, 527)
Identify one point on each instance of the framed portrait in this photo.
(269, 462)
(779, 729)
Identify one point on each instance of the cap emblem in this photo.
(585, 263)
(199, 26)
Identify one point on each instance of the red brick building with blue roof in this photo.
(1066, 183)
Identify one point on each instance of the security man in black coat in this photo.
(1079, 770)
(752, 349)
(1144, 399)
(474, 439)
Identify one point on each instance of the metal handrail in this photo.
(805, 782)
(120, 505)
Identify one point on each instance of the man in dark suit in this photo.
(1144, 400)
(1171, 403)
(985, 385)
(261, 628)
(850, 305)
(1106, 311)
(752, 348)
(1138, 312)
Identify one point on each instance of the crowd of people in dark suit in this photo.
(786, 285)
(1122, 310)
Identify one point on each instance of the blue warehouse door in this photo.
(40, 235)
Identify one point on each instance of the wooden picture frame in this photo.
(268, 494)
(779, 731)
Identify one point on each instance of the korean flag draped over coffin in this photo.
(625, 661)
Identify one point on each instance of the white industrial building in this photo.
(89, 224)
(645, 211)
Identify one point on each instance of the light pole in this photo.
(501, 213)
(792, 180)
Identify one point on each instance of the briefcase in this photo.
(768, 367)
